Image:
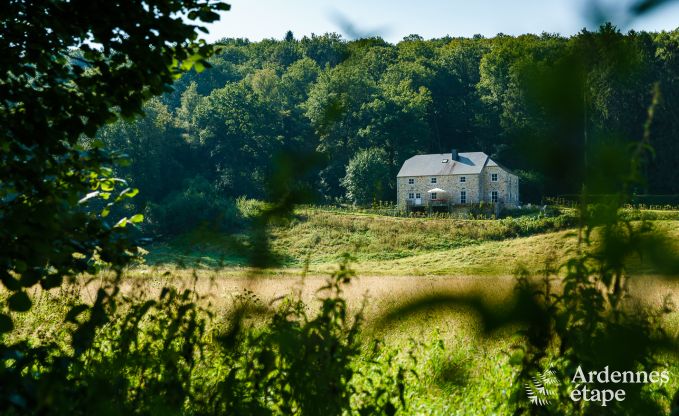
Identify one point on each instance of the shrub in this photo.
(368, 178)
(168, 356)
(197, 205)
(249, 208)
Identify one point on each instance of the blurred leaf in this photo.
(644, 6)
(521, 308)
(137, 218)
(19, 302)
(6, 324)
(89, 196)
(129, 193)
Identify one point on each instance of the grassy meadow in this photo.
(457, 368)
(395, 246)
(381, 245)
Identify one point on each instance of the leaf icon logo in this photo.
(538, 391)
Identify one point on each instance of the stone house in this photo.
(454, 179)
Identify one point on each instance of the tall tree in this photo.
(68, 68)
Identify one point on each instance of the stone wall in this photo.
(507, 185)
(421, 185)
(454, 187)
(449, 183)
(478, 187)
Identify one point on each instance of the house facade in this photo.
(452, 179)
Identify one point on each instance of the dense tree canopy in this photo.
(543, 105)
(65, 72)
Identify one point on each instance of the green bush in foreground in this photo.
(164, 357)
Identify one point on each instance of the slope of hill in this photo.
(379, 244)
(383, 245)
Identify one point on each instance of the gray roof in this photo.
(432, 165)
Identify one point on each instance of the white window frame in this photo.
(463, 196)
(494, 197)
(411, 181)
(411, 195)
(463, 179)
(432, 180)
(418, 195)
(493, 177)
(433, 196)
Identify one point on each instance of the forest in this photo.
(542, 105)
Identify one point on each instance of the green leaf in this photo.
(129, 193)
(107, 186)
(516, 358)
(51, 281)
(19, 302)
(199, 67)
(6, 324)
(137, 218)
(122, 223)
(9, 281)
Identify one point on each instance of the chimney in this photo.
(453, 154)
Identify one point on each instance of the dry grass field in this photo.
(460, 366)
(394, 258)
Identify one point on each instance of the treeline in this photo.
(546, 106)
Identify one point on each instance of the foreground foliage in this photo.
(55, 87)
(172, 356)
